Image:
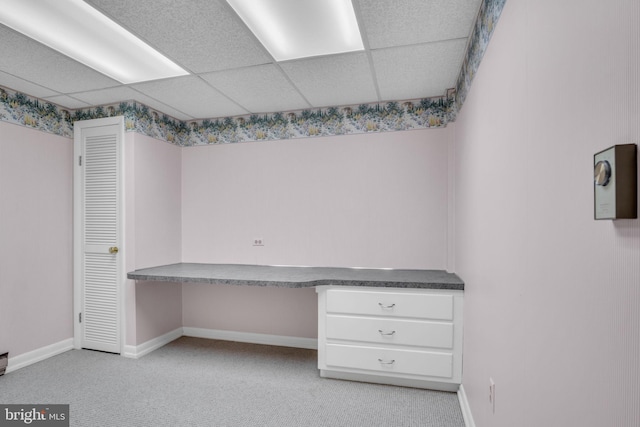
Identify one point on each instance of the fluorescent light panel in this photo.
(292, 29)
(79, 31)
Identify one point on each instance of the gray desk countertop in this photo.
(298, 277)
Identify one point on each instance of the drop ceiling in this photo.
(413, 49)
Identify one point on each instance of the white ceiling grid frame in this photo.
(81, 32)
(108, 96)
(25, 86)
(192, 96)
(365, 41)
(388, 23)
(223, 42)
(333, 80)
(231, 45)
(71, 102)
(423, 73)
(46, 67)
(207, 35)
(120, 94)
(259, 89)
(399, 39)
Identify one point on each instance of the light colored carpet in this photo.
(199, 382)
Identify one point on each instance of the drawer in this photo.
(410, 362)
(405, 304)
(390, 331)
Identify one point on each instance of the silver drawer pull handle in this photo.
(386, 306)
(386, 333)
(387, 362)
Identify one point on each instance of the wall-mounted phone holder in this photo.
(615, 182)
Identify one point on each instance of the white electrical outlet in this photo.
(492, 394)
(258, 242)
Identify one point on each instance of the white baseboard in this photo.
(39, 354)
(279, 340)
(466, 409)
(137, 351)
(391, 380)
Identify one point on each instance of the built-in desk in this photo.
(400, 327)
(298, 277)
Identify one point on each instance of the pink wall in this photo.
(552, 297)
(376, 200)
(158, 214)
(154, 234)
(36, 269)
(36, 259)
(364, 200)
(252, 309)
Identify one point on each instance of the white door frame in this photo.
(78, 227)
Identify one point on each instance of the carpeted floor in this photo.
(199, 382)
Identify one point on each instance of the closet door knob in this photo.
(113, 250)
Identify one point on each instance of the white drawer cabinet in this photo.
(410, 337)
(387, 360)
(406, 332)
(380, 302)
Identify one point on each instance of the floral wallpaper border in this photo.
(488, 17)
(425, 113)
(31, 112)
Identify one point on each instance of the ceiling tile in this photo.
(235, 74)
(259, 89)
(333, 80)
(41, 65)
(192, 96)
(19, 85)
(66, 102)
(418, 71)
(395, 23)
(200, 35)
(121, 94)
(108, 96)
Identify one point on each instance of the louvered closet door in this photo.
(101, 258)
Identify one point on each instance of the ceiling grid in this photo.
(162, 109)
(233, 74)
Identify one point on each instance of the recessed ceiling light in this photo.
(292, 29)
(79, 31)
